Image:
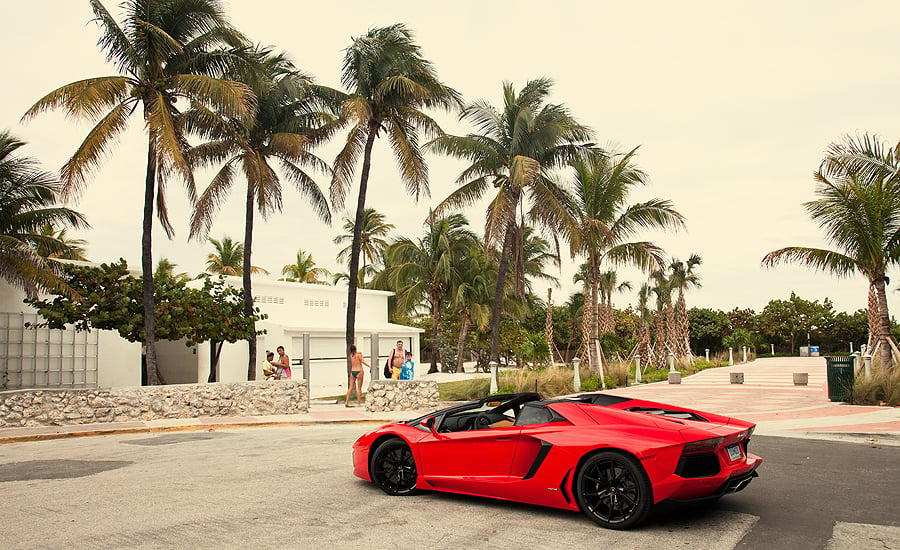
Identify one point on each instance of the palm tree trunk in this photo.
(248, 291)
(147, 266)
(873, 318)
(595, 315)
(885, 325)
(438, 339)
(461, 343)
(496, 309)
(357, 240)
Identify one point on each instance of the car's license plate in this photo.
(734, 452)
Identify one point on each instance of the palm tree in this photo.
(372, 241)
(531, 260)
(643, 345)
(514, 152)
(425, 271)
(228, 258)
(56, 244)
(601, 222)
(304, 270)
(471, 295)
(28, 204)
(858, 207)
(608, 283)
(683, 277)
(290, 117)
(165, 52)
(389, 83)
(662, 288)
(166, 267)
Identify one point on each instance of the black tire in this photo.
(613, 490)
(393, 468)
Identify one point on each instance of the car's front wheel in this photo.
(613, 490)
(393, 467)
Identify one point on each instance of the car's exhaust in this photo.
(738, 483)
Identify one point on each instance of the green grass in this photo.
(555, 381)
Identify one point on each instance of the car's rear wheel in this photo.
(613, 490)
(393, 467)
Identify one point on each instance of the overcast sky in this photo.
(732, 104)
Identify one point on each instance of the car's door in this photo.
(485, 454)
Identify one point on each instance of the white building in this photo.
(300, 316)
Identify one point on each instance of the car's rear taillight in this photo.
(702, 446)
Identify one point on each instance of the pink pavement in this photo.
(769, 397)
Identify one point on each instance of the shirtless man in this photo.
(356, 375)
(398, 356)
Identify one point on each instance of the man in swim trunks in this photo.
(356, 375)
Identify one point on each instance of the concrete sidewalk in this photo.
(767, 397)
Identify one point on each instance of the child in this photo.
(267, 368)
(406, 371)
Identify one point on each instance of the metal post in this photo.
(637, 369)
(730, 356)
(374, 359)
(851, 348)
(576, 362)
(494, 377)
(773, 349)
(306, 367)
(671, 362)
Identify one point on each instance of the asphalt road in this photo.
(292, 487)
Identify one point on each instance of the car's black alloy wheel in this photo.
(613, 490)
(393, 467)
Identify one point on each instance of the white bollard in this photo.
(637, 369)
(707, 355)
(671, 362)
(745, 354)
(576, 362)
(730, 356)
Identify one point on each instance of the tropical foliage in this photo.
(512, 155)
(858, 207)
(304, 270)
(165, 52)
(112, 300)
(28, 205)
(427, 270)
(602, 225)
(289, 119)
(389, 83)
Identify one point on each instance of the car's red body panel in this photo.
(537, 462)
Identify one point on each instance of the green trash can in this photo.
(840, 378)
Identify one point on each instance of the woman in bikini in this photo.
(356, 375)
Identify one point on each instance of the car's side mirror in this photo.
(430, 425)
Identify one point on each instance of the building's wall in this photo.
(119, 361)
(178, 363)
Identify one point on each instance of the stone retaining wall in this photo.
(84, 406)
(402, 395)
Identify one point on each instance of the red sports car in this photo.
(609, 456)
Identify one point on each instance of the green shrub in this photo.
(882, 388)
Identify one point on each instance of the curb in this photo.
(213, 427)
